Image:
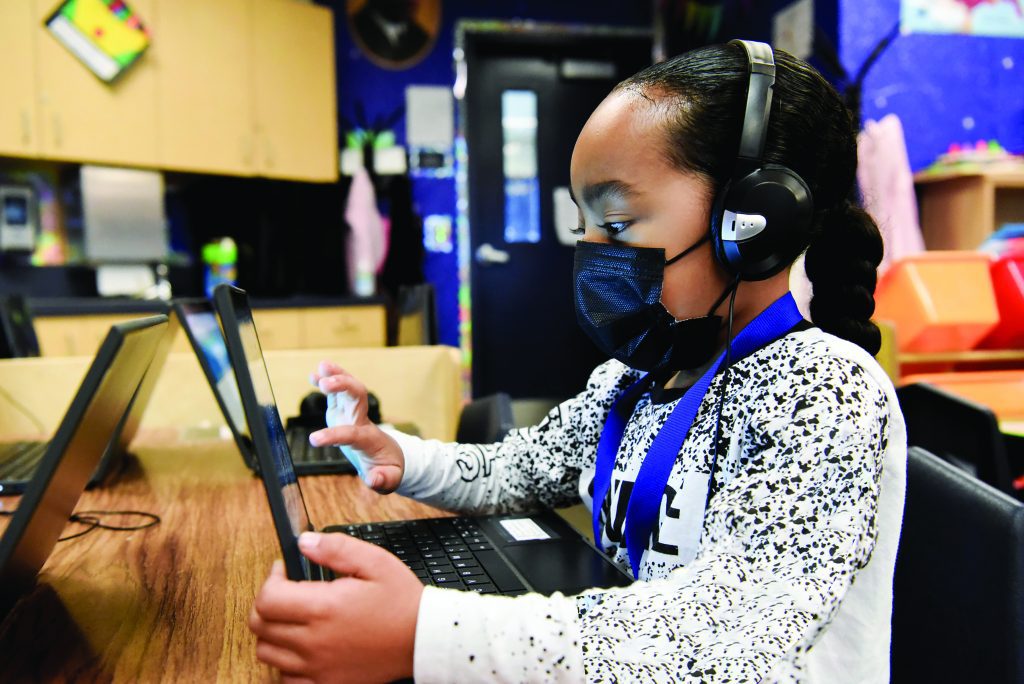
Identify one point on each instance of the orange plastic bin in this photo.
(939, 301)
(1008, 281)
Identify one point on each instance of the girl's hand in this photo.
(361, 627)
(377, 456)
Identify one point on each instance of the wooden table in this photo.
(169, 603)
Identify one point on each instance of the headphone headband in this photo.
(762, 217)
(761, 62)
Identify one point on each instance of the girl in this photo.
(756, 492)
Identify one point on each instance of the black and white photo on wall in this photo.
(394, 34)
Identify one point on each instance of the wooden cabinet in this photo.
(84, 119)
(321, 327)
(278, 328)
(294, 91)
(354, 326)
(18, 117)
(247, 87)
(234, 87)
(74, 335)
(204, 76)
(959, 210)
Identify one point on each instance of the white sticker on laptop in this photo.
(524, 529)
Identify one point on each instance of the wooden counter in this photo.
(416, 385)
(299, 327)
(169, 603)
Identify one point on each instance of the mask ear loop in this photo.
(716, 444)
(677, 257)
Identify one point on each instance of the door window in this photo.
(519, 164)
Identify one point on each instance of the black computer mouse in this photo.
(373, 408)
(313, 411)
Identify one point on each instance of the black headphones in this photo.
(761, 219)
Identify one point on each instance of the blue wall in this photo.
(945, 88)
(381, 91)
(936, 83)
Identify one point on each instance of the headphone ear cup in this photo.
(764, 222)
(717, 212)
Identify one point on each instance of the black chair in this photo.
(958, 431)
(958, 601)
(415, 315)
(485, 420)
(17, 333)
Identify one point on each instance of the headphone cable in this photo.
(721, 397)
(94, 521)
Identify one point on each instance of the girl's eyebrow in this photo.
(605, 190)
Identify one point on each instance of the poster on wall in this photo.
(106, 35)
(1003, 18)
(394, 34)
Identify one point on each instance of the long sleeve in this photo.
(533, 466)
(784, 537)
(782, 543)
(463, 636)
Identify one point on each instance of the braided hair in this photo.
(702, 95)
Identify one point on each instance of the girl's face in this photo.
(627, 192)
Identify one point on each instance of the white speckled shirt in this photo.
(792, 579)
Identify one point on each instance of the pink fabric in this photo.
(887, 187)
(366, 247)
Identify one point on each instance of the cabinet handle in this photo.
(58, 131)
(26, 127)
(268, 153)
(246, 145)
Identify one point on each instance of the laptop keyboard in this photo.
(18, 460)
(444, 552)
(304, 452)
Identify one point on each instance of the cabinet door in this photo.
(18, 124)
(294, 91)
(278, 328)
(350, 326)
(205, 107)
(74, 335)
(84, 119)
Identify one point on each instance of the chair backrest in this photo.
(17, 333)
(485, 420)
(958, 602)
(957, 430)
(416, 315)
(888, 355)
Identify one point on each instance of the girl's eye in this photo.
(612, 227)
(615, 227)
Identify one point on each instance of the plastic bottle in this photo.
(220, 258)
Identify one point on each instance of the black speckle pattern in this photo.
(806, 427)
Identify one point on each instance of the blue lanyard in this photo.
(645, 499)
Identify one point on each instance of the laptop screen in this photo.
(73, 453)
(284, 470)
(205, 331)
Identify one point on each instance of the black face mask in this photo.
(618, 305)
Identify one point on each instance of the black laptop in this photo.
(74, 452)
(504, 554)
(19, 460)
(17, 332)
(199, 320)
